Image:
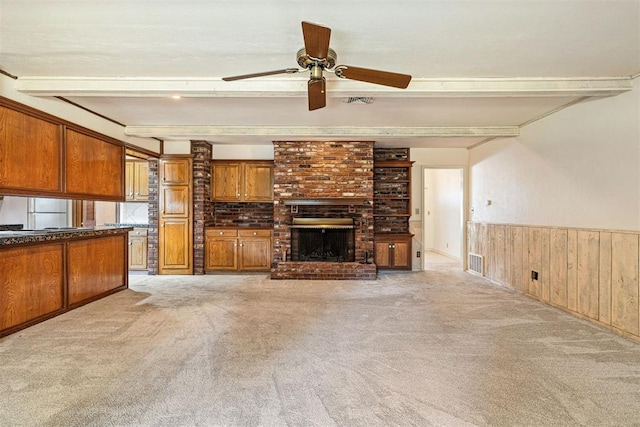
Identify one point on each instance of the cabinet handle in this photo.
(222, 233)
(255, 233)
(130, 243)
(245, 194)
(238, 195)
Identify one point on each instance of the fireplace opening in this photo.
(323, 240)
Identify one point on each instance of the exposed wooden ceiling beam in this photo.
(297, 87)
(279, 132)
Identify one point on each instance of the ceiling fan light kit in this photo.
(316, 56)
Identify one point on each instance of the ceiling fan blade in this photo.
(317, 93)
(316, 39)
(384, 78)
(265, 73)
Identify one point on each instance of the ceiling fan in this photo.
(316, 56)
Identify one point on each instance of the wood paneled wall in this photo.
(590, 273)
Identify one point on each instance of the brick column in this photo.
(202, 207)
(152, 244)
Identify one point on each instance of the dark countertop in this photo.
(125, 224)
(5, 227)
(18, 237)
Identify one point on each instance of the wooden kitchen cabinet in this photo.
(237, 249)
(254, 250)
(42, 279)
(175, 201)
(28, 293)
(393, 251)
(138, 250)
(221, 249)
(175, 235)
(43, 155)
(94, 167)
(176, 170)
(137, 180)
(242, 181)
(33, 167)
(96, 266)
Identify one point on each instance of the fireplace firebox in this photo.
(323, 240)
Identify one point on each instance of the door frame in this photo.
(464, 207)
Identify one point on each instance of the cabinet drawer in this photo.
(142, 232)
(254, 233)
(224, 232)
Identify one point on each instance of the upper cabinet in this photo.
(43, 155)
(137, 180)
(30, 154)
(242, 181)
(94, 167)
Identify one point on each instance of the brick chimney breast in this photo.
(320, 170)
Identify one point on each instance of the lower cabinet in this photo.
(138, 249)
(237, 249)
(393, 251)
(95, 266)
(43, 279)
(32, 283)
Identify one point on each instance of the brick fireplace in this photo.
(321, 179)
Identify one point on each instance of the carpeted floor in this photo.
(439, 348)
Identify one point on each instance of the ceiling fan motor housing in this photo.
(306, 61)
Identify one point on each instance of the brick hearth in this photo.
(318, 171)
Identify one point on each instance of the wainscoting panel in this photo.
(591, 273)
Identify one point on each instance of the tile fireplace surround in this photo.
(326, 180)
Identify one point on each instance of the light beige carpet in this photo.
(410, 349)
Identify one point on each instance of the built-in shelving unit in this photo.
(392, 208)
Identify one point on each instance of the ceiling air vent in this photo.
(358, 100)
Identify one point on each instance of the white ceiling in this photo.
(480, 68)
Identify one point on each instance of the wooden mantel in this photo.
(327, 201)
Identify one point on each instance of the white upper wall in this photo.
(242, 152)
(579, 167)
(76, 115)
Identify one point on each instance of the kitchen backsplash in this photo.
(134, 213)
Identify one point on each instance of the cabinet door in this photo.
(30, 154)
(382, 254)
(174, 202)
(225, 181)
(141, 181)
(175, 171)
(401, 255)
(258, 182)
(221, 253)
(96, 266)
(31, 283)
(255, 254)
(94, 167)
(174, 247)
(137, 253)
(129, 180)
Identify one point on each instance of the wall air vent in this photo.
(476, 264)
(358, 100)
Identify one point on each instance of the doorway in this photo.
(443, 214)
